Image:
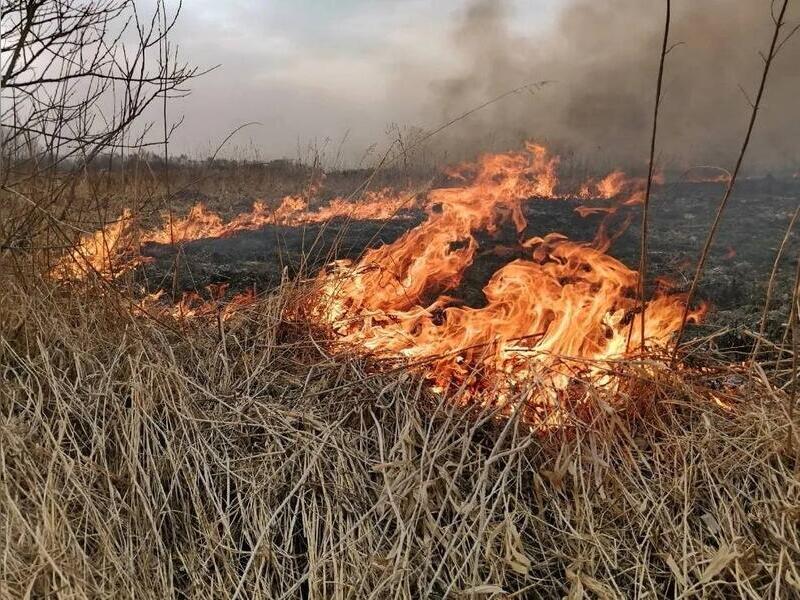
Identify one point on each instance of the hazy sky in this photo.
(314, 71)
(320, 69)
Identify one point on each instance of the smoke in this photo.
(602, 59)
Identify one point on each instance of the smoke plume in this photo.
(602, 60)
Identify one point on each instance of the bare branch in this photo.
(77, 76)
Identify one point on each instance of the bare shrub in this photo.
(77, 79)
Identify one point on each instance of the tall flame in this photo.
(558, 317)
(553, 323)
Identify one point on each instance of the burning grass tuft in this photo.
(239, 458)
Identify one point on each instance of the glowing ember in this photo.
(552, 323)
(193, 305)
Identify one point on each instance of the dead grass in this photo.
(243, 461)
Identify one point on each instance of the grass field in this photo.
(241, 458)
(565, 368)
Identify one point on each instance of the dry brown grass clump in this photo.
(240, 460)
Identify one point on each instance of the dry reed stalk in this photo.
(771, 285)
(651, 161)
(792, 326)
(138, 461)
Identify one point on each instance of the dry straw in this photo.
(205, 461)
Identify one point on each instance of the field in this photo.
(521, 319)
(244, 457)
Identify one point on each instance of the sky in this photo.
(320, 72)
(338, 76)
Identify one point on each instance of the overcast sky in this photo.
(312, 70)
(319, 69)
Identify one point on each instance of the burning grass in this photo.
(114, 249)
(363, 434)
(374, 437)
(552, 324)
(241, 457)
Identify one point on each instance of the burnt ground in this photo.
(681, 213)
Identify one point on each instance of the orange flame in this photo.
(628, 191)
(551, 320)
(104, 251)
(114, 249)
(192, 305)
(553, 323)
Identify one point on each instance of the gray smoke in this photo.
(603, 59)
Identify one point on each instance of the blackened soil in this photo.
(734, 282)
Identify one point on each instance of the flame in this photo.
(556, 319)
(627, 191)
(104, 251)
(193, 305)
(553, 322)
(115, 249)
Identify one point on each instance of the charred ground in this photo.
(681, 212)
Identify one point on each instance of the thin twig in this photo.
(768, 60)
(771, 285)
(646, 207)
(794, 318)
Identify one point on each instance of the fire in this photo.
(553, 322)
(102, 251)
(556, 319)
(707, 174)
(626, 191)
(114, 249)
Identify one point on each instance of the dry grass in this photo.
(211, 461)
